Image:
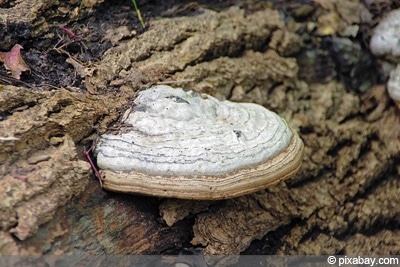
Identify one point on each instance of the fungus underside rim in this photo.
(211, 187)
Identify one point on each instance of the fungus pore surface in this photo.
(188, 145)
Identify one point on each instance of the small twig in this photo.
(71, 34)
(62, 51)
(86, 153)
(11, 80)
(72, 38)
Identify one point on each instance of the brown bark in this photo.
(344, 198)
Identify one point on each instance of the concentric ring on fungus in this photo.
(193, 146)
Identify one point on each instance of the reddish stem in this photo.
(86, 153)
(72, 35)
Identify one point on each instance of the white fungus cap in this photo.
(385, 40)
(187, 145)
(182, 133)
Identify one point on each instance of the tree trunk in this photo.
(345, 199)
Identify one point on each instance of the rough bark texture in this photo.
(345, 199)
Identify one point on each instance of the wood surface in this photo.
(344, 200)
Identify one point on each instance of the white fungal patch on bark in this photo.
(386, 36)
(174, 132)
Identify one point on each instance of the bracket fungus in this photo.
(384, 43)
(385, 37)
(192, 146)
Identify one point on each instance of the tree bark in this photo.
(345, 199)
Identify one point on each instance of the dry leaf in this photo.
(14, 62)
